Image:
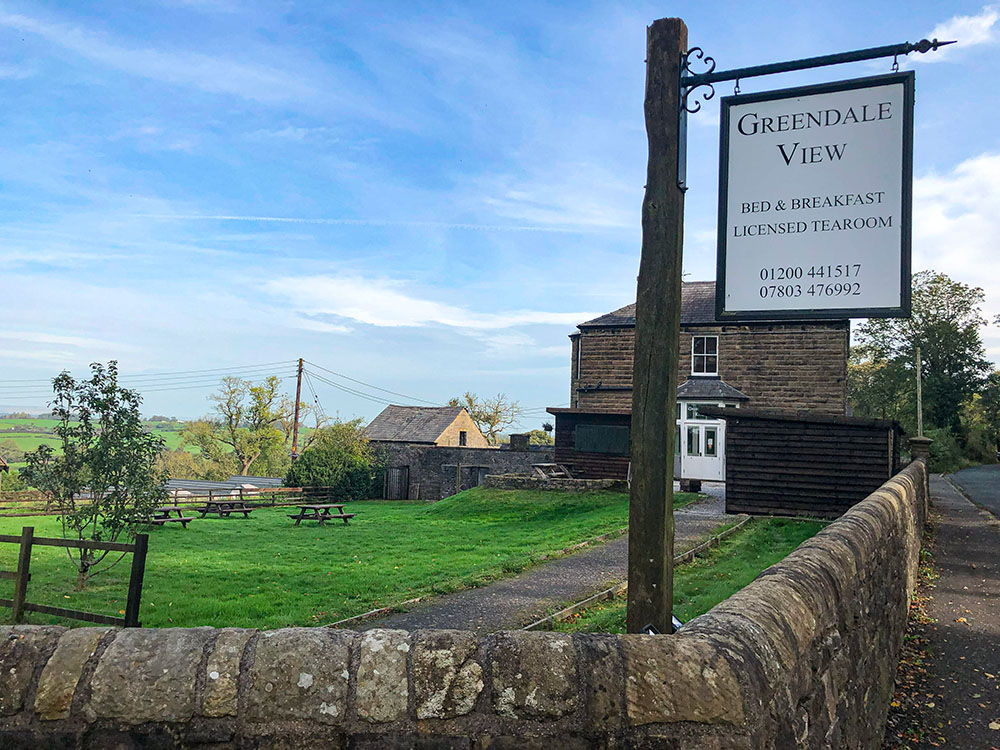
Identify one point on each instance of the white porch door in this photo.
(702, 446)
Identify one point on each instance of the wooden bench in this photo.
(162, 516)
(321, 513)
(225, 508)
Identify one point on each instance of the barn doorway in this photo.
(397, 483)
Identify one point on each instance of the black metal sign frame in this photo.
(903, 310)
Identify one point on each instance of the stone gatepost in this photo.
(920, 450)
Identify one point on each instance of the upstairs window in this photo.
(704, 355)
(463, 437)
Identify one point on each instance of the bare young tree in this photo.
(491, 415)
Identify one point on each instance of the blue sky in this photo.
(425, 197)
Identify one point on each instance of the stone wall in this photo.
(789, 366)
(434, 469)
(803, 657)
(528, 482)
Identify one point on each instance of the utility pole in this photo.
(920, 398)
(295, 427)
(657, 333)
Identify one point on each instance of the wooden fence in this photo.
(22, 575)
(34, 504)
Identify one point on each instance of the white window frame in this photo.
(695, 356)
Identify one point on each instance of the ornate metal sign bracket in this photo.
(691, 81)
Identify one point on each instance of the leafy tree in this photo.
(991, 405)
(340, 457)
(540, 437)
(10, 451)
(945, 323)
(491, 415)
(246, 424)
(104, 483)
(181, 464)
(12, 482)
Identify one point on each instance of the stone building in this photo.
(786, 366)
(426, 425)
(434, 452)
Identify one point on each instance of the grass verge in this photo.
(708, 580)
(265, 572)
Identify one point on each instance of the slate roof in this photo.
(412, 424)
(714, 389)
(697, 306)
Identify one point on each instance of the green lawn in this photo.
(265, 572)
(700, 585)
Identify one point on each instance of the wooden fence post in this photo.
(23, 574)
(657, 330)
(135, 581)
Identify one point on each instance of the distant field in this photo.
(29, 441)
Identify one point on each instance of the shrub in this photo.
(341, 458)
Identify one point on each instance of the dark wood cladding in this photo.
(804, 465)
(589, 465)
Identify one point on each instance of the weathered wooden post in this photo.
(23, 574)
(657, 331)
(135, 581)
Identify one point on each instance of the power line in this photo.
(186, 380)
(352, 391)
(144, 376)
(375, 387)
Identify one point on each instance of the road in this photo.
(982, 484)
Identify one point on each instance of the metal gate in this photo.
(397, 483)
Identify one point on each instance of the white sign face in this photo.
(814, 201)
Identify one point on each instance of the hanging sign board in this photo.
(814, 201)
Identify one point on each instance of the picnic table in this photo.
(163, 515)
(226, 507)
(321, 513)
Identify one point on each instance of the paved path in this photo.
(982, 484)
(515, 602)
(964, 669)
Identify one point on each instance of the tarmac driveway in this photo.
(982, 484)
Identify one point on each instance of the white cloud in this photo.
(14, 73)
(385, 303)
(206, 72)
(48, 338)
(365, 222)
(969, 31)
(956, 222)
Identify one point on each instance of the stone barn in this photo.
(434, 452)
(787, 366)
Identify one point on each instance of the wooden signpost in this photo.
(657, 333)
(670, 94)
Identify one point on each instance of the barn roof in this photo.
(697, 306)
(412, 424)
